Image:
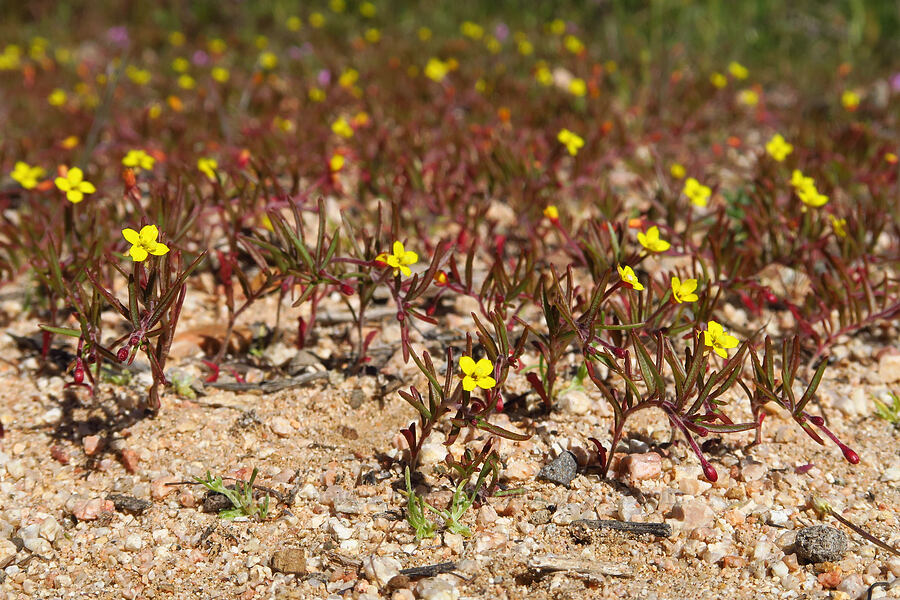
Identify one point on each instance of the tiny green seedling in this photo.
(241, 496)
(890, 413)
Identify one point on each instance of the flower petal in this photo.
(405, 270)
(149, 233)
(131, 236)
(410, 257)
(484, 368)
(138, 254)
(159, 249)
(398, 249)
(74, 196)
(63, 184)
(467, 365)
(86, 187)
(486, 383)
(468, 383)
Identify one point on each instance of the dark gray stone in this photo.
(561, 470)
(820, 543)
(129, 504)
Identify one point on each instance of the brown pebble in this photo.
(91, 510)
(91, 444)
(159, 488)
(130, 460)
(59, 454)
(289, 560)
(733, 562)
(830, 579)
(349, 433)
(186, 498)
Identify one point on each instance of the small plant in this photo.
(888, 412)
(241, 495)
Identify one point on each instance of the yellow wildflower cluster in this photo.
(805, 188)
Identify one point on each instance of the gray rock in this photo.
(820, 543)
(561, 470)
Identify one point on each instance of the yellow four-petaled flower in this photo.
(628, 277)
(718, 340)
(477, 374)
(572, 141)
(399, 260)
(684, 291)
(208, 167)
(651, 240)
(138, 160)
(74, 185)
(144, 243)
(778, 148)
(26, 175)
(697, 192)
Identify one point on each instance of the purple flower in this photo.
(200, 58)
(118, 36)
(895, 82)
(324, 77)
(501, 31)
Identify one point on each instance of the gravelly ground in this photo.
(335, 443)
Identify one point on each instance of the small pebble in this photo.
(820, 543)
(133, 542)
(289, 560)
(561, 470)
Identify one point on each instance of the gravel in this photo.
(820, 543)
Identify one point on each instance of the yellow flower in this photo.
(424, 34)
(138, 159)
(799, 181)
(348, 78)
(525, 47)
(718, 80)
(696, 191)
(684, 291)
(677, 170)
(748, 97)
(74, 186)
(268, 60)
(551, 212)
(317, 20)
(543, 75)
(176, 38)
(181, 65)
(850, 100)
(572, 141)
(810, 196)
(577, 87)
(220, 74)
(360, 119)
(718, 340)
(336, 162)
(218, 45)
(557, 27)
(890, 158)
(208, 167)
(628, 276)
(26, 175)
(839, 226)
(294, 23)
(342, 128)
(70, 142)
(372, 35)
(573, 44)
(337, 6)
(651, 240)
(399, 260)
(778, 148)
(737, 70)
(477, 374)
(317, 94)
(137, 75)
(186, 82)
(144, 243)
(57, 97)
(436, 69)
(472, 30)
(367, 9)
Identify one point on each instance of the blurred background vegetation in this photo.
(801, 39)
